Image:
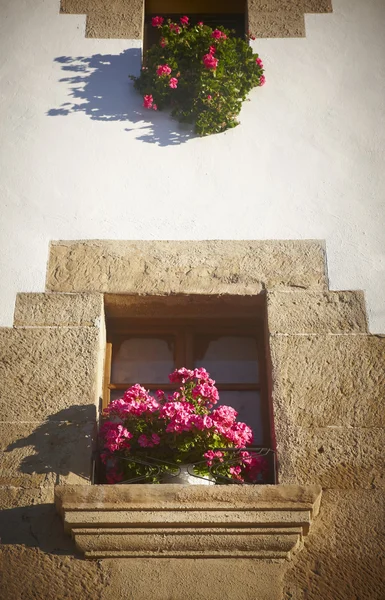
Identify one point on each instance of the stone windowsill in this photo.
(169, 520)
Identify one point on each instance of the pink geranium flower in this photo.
(163, 42)
(147, 101)
(157, 21)
(175, 28)
(200, 23)
(173, 83)
(184, 21)
(262, 80)
(212, 50)
(154, 107)
(163, 70)
(210, 62)
(259, 62)
(218, 35)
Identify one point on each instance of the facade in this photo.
(106, 210)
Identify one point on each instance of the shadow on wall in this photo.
(59, 450)
(60, 447)
(101, 89)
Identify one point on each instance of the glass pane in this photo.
(116, 394)
(143, 360)
(228, 359)
(248, 406)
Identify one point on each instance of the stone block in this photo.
(192, 579)
(27, 517)
(41, 310)
(118, 19)
(32, 574)
(45, 454)
(105, 523)
(127, 24)
(327, 380)
(317, 6)
(343, 554)
(12, 497)
(337, 458)
(279, 24)
(49, 373)
(185, 267)
(316, 312)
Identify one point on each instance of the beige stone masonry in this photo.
(49, 373)
(327, 393)
(41, 310)
(124, 18)
(165, 520)
(327, 381)
(193, 579)
(344, 552)
(47, 453)
(335, 457)
(316, 312)
(185, 267)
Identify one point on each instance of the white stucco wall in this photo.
(307, 161)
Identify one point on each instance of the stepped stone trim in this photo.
(295, 312)
(58, 310)
(186, 267)
(176, 521)
(124, 18)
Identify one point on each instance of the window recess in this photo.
(226, 335)
(231, 14)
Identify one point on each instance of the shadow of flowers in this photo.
(100, 88)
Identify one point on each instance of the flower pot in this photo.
(185, 476)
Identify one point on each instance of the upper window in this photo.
(148, 338)
(230, 14)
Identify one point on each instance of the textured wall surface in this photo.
(203, 267)
(124, 18)
(328, 392)
(329, 405)
(81, 159)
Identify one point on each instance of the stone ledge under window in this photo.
(169, 520)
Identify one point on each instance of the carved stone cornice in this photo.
(169, 520)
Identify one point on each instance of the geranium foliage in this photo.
(181, 428)
(201, 74)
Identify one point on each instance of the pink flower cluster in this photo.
(157, 21)
(136, 401)
(175, 28)
(218, 35)
(148, 102)
(262, 80)
(210, 62)
(185, 21)
(115, 436)
(259, 62)
(211, 455)
(173, 83)
(163, 70)
(206, 391)
(184, 375)
(149, 441)
(138, 422)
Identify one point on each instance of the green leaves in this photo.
(207, 95)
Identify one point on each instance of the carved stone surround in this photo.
(175, 521)
(124, 18)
